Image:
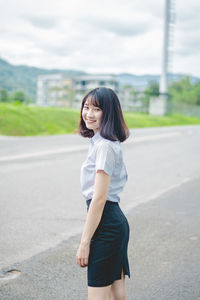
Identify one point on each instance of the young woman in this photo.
(104, 242)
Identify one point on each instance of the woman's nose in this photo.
(90, 112)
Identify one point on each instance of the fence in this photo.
(185, 109)
(140, 103)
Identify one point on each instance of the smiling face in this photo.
(92, 116)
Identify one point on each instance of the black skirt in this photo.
(108, 247)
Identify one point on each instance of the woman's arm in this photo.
(101, 186)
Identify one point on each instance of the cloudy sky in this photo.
(107, 36)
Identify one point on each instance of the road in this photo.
(42, 207)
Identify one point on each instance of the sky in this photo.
(107, 36)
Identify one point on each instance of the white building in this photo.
(60, 90)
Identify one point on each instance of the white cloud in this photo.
(42, 21)
(111, 36)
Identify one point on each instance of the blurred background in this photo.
(51, 54)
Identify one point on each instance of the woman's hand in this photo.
(83, 254)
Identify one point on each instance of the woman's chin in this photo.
(89, 127)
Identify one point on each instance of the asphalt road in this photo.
(40, 200)
(42, 212)
(164, 256)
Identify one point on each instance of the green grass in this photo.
(139, 120)
(22, 120)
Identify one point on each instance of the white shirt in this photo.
(104, 155)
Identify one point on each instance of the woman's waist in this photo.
(107, 203)
(112, 214)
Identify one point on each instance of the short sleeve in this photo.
(105, 158)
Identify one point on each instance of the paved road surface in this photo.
(40, 200)
(164, 256)
(41, 206)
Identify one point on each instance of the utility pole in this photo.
(169, 20)
(158, 105)
(163, 79)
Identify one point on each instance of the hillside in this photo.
(24, 78)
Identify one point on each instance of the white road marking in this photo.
(85, 147)
(42, 153)
(152, 137)
(146, 199)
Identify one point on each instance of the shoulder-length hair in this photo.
(112, 126)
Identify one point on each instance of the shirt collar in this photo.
(96, 138)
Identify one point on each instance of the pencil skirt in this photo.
(108, 247)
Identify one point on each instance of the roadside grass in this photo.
(139, 120)
(24, 120)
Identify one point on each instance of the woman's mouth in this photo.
(90, 122)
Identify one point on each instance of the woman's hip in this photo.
(113, 224)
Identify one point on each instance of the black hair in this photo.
(113, 126)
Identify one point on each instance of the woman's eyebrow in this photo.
(89, 104)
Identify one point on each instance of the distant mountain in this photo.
(13, 78)
(140, 81)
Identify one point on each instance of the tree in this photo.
(152, 89)
(19, 96)
(4, 96)
(185, 92)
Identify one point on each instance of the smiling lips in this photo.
(90, 121)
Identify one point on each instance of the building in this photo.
(60, 90)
